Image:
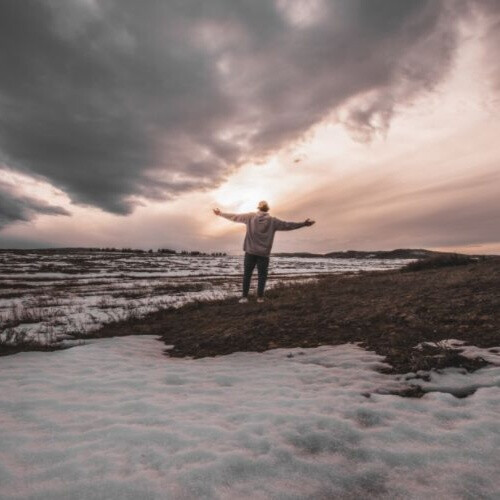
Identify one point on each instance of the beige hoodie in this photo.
(260, 230)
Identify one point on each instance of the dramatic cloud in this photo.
(490, 11)
(387, 211)
(14, 208)
(114, 101)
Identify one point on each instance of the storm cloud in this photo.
(390, 211)
(14, 208)
(118, 101)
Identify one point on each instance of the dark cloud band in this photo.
(114, 101)
(14, 208)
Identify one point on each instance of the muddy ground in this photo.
(389, 312)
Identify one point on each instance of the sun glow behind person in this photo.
(252, 182)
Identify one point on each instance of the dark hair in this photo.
(263, 206)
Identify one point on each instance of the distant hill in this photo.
(400, 253)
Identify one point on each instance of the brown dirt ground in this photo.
(388, 312)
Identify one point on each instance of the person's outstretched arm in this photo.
(281, 225)
(243, 218)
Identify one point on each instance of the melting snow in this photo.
(49, 296)
(116, 419)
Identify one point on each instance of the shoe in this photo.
(260, 299)
(243, 300)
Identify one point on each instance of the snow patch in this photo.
(117, 419)
(55, 295)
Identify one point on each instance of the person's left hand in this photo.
(216, 211)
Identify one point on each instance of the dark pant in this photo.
(262, 266)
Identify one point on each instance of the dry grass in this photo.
(388, 312)
(435, 262)
(13, 340)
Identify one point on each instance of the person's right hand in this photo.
(216, 211)
(309, 222)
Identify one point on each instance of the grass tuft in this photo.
(438, 261)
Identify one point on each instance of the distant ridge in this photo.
(400, 253)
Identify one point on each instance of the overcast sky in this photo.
(122, 123)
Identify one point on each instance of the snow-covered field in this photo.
(47, 296)
(116, 419)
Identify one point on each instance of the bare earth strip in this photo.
(389, 312)
(50, 298)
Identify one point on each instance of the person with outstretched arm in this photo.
(258, 243)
